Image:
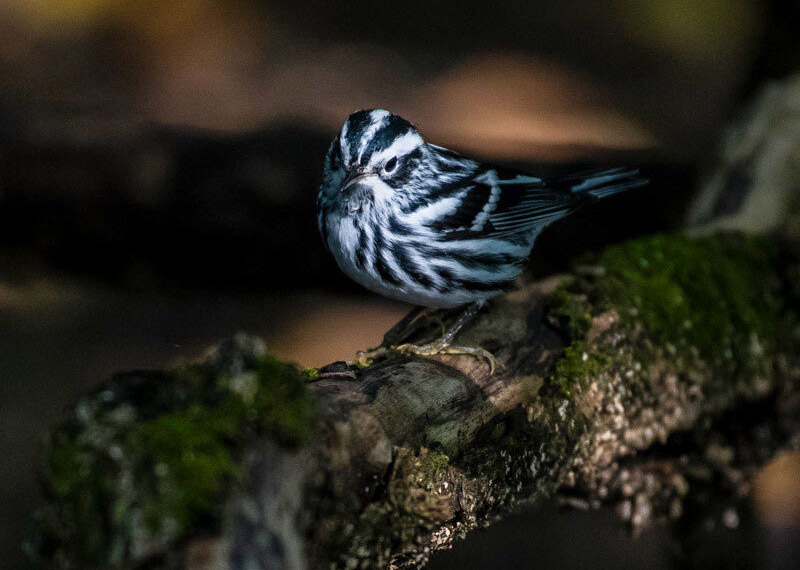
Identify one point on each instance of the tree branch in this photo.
(411, 454)
(615, 386)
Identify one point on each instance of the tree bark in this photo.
(410, 454)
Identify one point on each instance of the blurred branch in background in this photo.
(179, 143)
(238, 64)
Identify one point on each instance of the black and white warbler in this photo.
(420, 223)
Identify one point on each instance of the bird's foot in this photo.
(365, 358)
(418, 319)
(439, 347)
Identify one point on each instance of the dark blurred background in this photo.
(159, 162)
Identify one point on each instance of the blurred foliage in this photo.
(689, 28)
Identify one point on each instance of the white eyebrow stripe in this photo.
(378, 119)
(399, 147)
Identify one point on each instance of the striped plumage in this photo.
(422, 224)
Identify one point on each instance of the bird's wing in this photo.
(499, 203)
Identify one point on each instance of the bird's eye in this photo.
(390, 165)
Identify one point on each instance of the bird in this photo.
(420, 223)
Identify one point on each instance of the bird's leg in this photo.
(401, 330)
(442, 345)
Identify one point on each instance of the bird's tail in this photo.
(600, 184)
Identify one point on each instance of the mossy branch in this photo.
(241, 461)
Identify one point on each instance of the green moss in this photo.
(570, 310)
(281, 409)
(719, 294)
(115, 485)
(187, 452)
(433, 465)
(718, 297)
(576, 364)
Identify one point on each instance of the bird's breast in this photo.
(346, 240)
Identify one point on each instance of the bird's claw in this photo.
(439, 348)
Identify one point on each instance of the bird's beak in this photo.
(353, 178)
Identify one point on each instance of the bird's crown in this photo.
(372, 139)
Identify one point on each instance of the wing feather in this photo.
(491, 206)
(496, 203)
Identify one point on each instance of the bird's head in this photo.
(373, 162)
